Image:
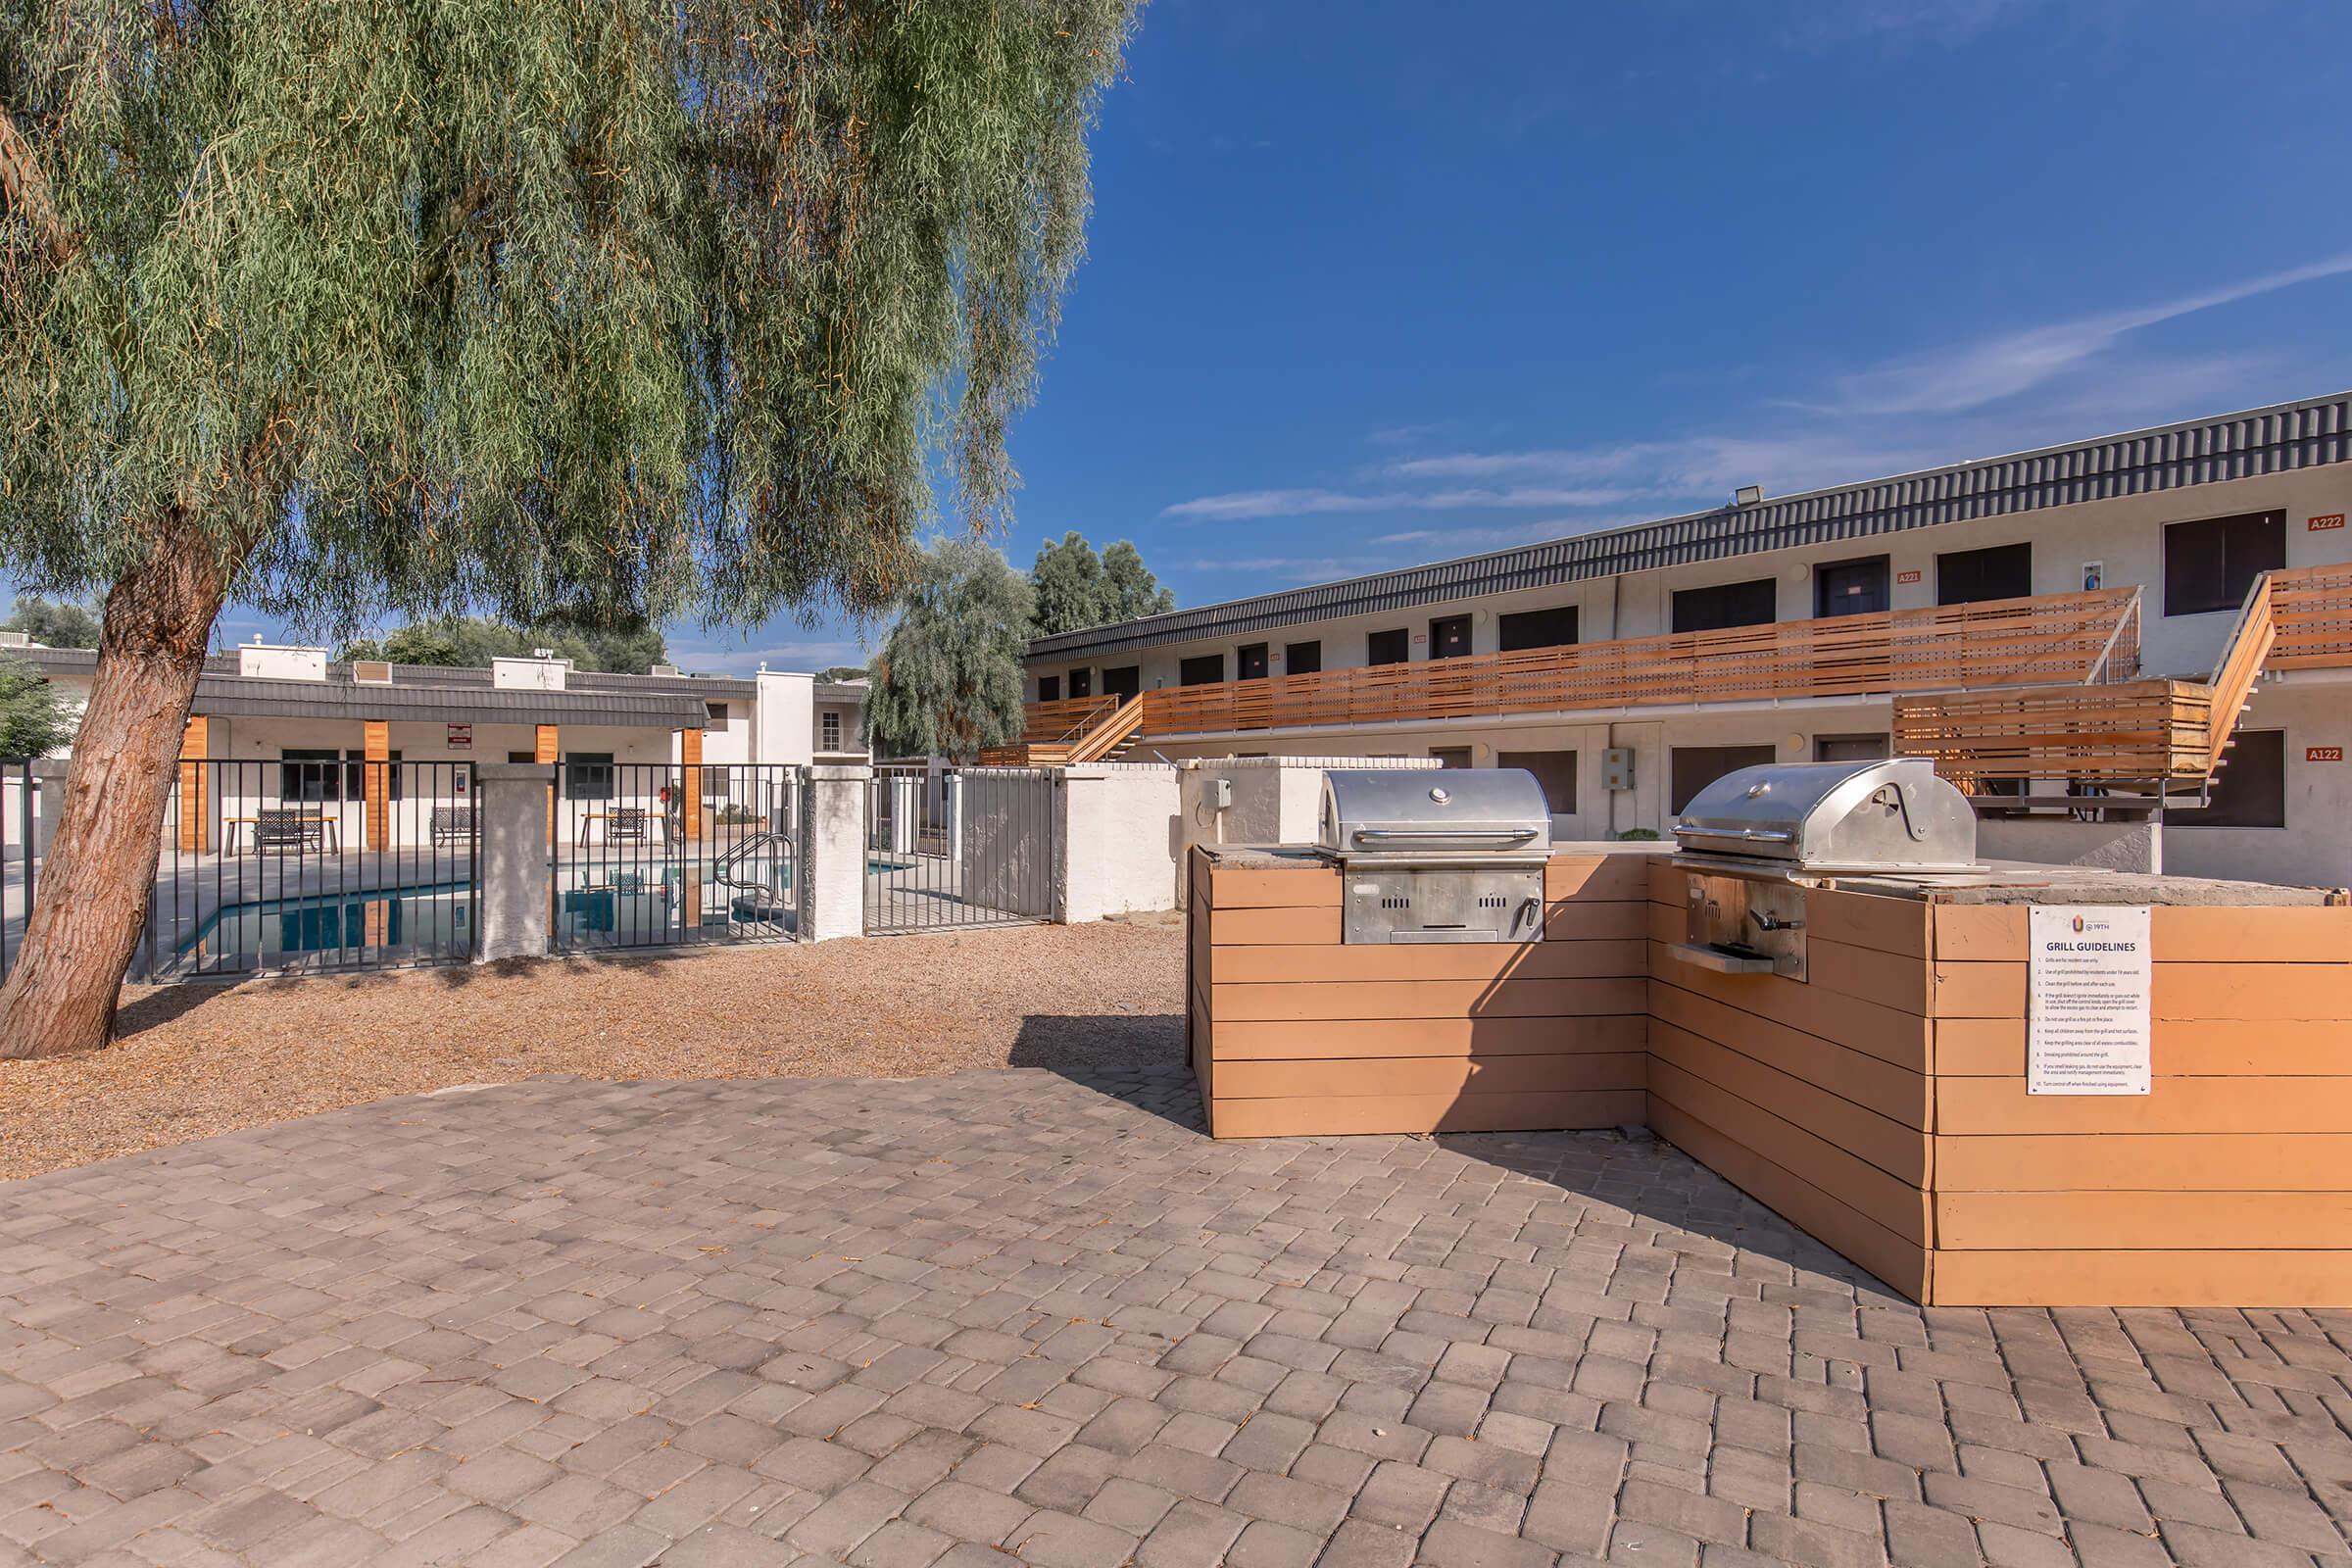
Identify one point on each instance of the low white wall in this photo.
(832, 860)
(1276, 800)
(1120, 835)
(511, 800)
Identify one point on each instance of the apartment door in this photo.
(1082, 683)
(1250, 663)
(1850, 587)
(1450, 637)
(1123, 682)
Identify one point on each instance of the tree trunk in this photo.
(100, 873)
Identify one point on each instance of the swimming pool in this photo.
(435, 922)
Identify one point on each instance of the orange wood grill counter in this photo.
(1881, 1103)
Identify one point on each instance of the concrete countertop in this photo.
(2001, 882)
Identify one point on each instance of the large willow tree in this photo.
(550, 308)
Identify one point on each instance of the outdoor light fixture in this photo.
(1747, 494)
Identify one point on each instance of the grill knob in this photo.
(1441, 795)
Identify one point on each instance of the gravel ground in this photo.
(193, 1060)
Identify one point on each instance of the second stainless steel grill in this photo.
(1758, 836)
(1452, 855)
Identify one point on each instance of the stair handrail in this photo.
(2102, 671)
(2240, 666)
(1121, 723)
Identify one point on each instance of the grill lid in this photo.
(1482, 814)
(1889, 815)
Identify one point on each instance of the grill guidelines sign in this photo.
(2088, 979)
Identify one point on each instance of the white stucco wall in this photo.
(1119, 840)
(2315, 848)
(1276, 800)
(781, 716)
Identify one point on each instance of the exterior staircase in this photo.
(2128, 736)
(1082, 731)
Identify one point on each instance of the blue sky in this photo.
(1376, 282)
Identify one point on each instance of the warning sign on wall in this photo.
(2089, 978)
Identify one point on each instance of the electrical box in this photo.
(1617, 768)
(1220, 794)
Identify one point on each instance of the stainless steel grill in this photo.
(1455, 856)
(1759, 836)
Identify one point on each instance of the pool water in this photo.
(408, 924)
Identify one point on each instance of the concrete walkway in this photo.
(1004, 1317)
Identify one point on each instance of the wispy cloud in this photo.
(1827, 24)
(1246, 504)
(1956, 379)
(1299, 569)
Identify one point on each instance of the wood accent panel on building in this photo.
(376, 783)
(1293, 1031)
(195, 811)
(544, 751)
(690, 778)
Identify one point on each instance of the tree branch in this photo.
(26, 190)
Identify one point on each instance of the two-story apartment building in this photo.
(1629, 668)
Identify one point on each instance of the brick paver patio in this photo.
(999, 1317)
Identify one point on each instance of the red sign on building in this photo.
(2332, 520)
(2323, 753)
(1906, 576)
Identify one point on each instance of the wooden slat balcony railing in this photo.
(2311, 616)
(2011, 642)
(2170, 732)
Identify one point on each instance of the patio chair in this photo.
(453, 825)
(277, 829)
(627, 823)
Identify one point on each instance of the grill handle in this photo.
(1749, 835)
(1448, 835)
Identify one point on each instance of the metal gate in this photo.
(653, 855)
(950, 848)
(316, 862)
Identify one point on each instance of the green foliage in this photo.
(1075, 587)
(635, 306)
(35, 718)
(1640, 835)
(472, 640)
(838, 672)
(1133, 590)
(948, 680)
(53, 623)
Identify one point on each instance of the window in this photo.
(832, 729)
(1726, 603)
(1250, 663)
(1555, 771)
(1452, 755)
(1123, 682)
(1450, 637)
(1386, 648)
(1971, 576)
(1694, 767)
(1082, 683)
(1049, 688)
(1302, 658)
(588, 775)
(1202, 669)
(2210, 564)
(1850, 587)
(714, 715)
(307, 774)
(1540, 628)
(2249, 790)
(1850, 747)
